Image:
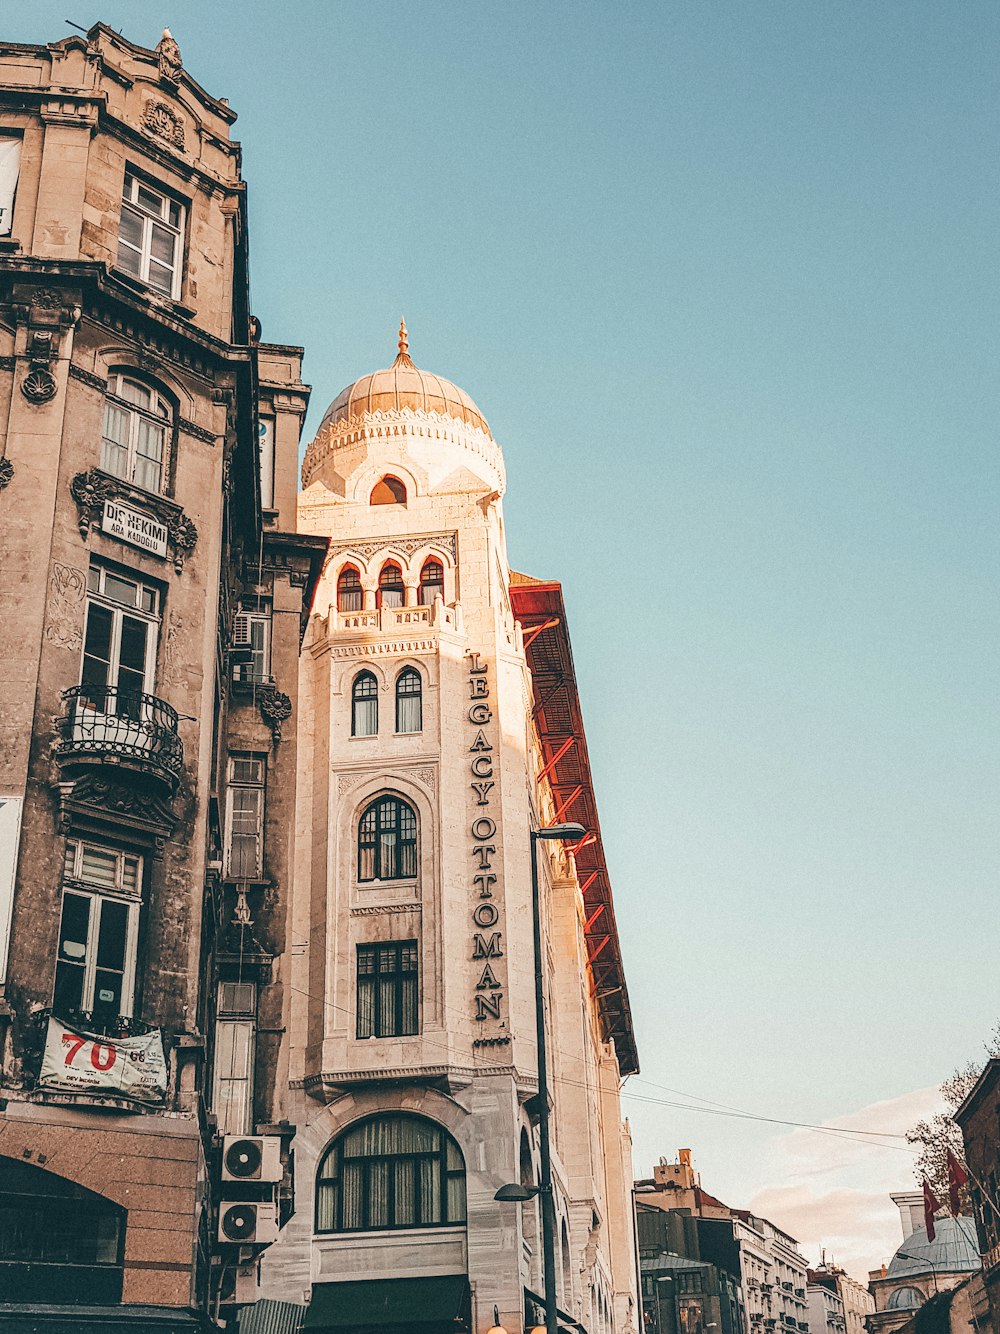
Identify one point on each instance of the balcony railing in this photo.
(121, 726)
(393, 620)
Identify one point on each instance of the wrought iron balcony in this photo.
(127, 728)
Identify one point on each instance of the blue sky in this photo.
(723, 279)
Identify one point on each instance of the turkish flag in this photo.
(930, 1208)
(957, 1177)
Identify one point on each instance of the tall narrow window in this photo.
(387, 841)
(350, 595)
(245, 817)
(391, 589)
(364, 705)
(252, 634)
(137, 423)
(149, 236)
(392, 1171)
(431, 582)
(235, 1039)
(409, 698)
(10, 159)
(119, 642)
(387, 989)
(95, 964)
(389, 491)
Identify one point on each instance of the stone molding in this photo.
(39, 385)
(6, 472)
(394, 649)
(417, 422)
(88, 378)
(426, 774)
(91, 489)
(385, 909)
(199, 432)
(275, 708)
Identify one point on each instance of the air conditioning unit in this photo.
(251, 1158)
(248, 1222)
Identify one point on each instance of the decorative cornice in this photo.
(199, 432)
(91, 489)
(396, 422)
(372, 649)
(88, 378)
(385, 909)
(424, 773)
(406, 546)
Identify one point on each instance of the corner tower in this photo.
(411, 1047)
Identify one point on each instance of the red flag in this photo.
(930, 1207)
(957, 1177)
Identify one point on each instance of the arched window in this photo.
(364, 705)
(409, 701)
(431, 582)
(391, 590)
(136, 425)
(387, 841)
(905, 1299)
(393, 1171)
(389, 491)
(350, 595)
(57, 1239)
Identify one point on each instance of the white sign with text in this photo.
(139, 530)
(132, 1067)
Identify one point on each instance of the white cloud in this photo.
(835, 1191)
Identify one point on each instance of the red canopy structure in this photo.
(539, 608)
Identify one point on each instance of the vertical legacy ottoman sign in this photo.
(487, 933)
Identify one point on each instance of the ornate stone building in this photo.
(152, 594)
(440, 724)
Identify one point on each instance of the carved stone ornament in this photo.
(405, 546)
(275, 707)
(6, 472)
(39, 385)
(168, 57)
(91, 489)
(164, 122)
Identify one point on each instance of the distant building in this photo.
(921, 1269)
(856, 1301)
(824, 1303)
(772, 1269)
(979, 1119)
(689, 1273)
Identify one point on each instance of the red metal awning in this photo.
(558, 719)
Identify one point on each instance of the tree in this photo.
(935, 1137)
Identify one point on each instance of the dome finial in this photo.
(403, 358)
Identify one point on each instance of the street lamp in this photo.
(544, 1187)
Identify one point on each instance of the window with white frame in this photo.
(235, 1040)
(98, 930)
(119, 643)
(252, 634)
(245, 816)
(10, 161)
(149, 236)
(137, 424)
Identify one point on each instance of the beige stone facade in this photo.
(132, 539)
(417, 601)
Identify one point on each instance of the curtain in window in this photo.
(409, 711)
(387, 841)
(392, 591)
(350, 595)
(431, 582)
(114, 450)
(364, 705)
(366, 993)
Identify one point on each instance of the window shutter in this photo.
(241, 630)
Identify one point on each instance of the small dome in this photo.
(954, 1250)
(402, 385)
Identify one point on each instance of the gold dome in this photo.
(402, 385)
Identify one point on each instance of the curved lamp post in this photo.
(544, 1187)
